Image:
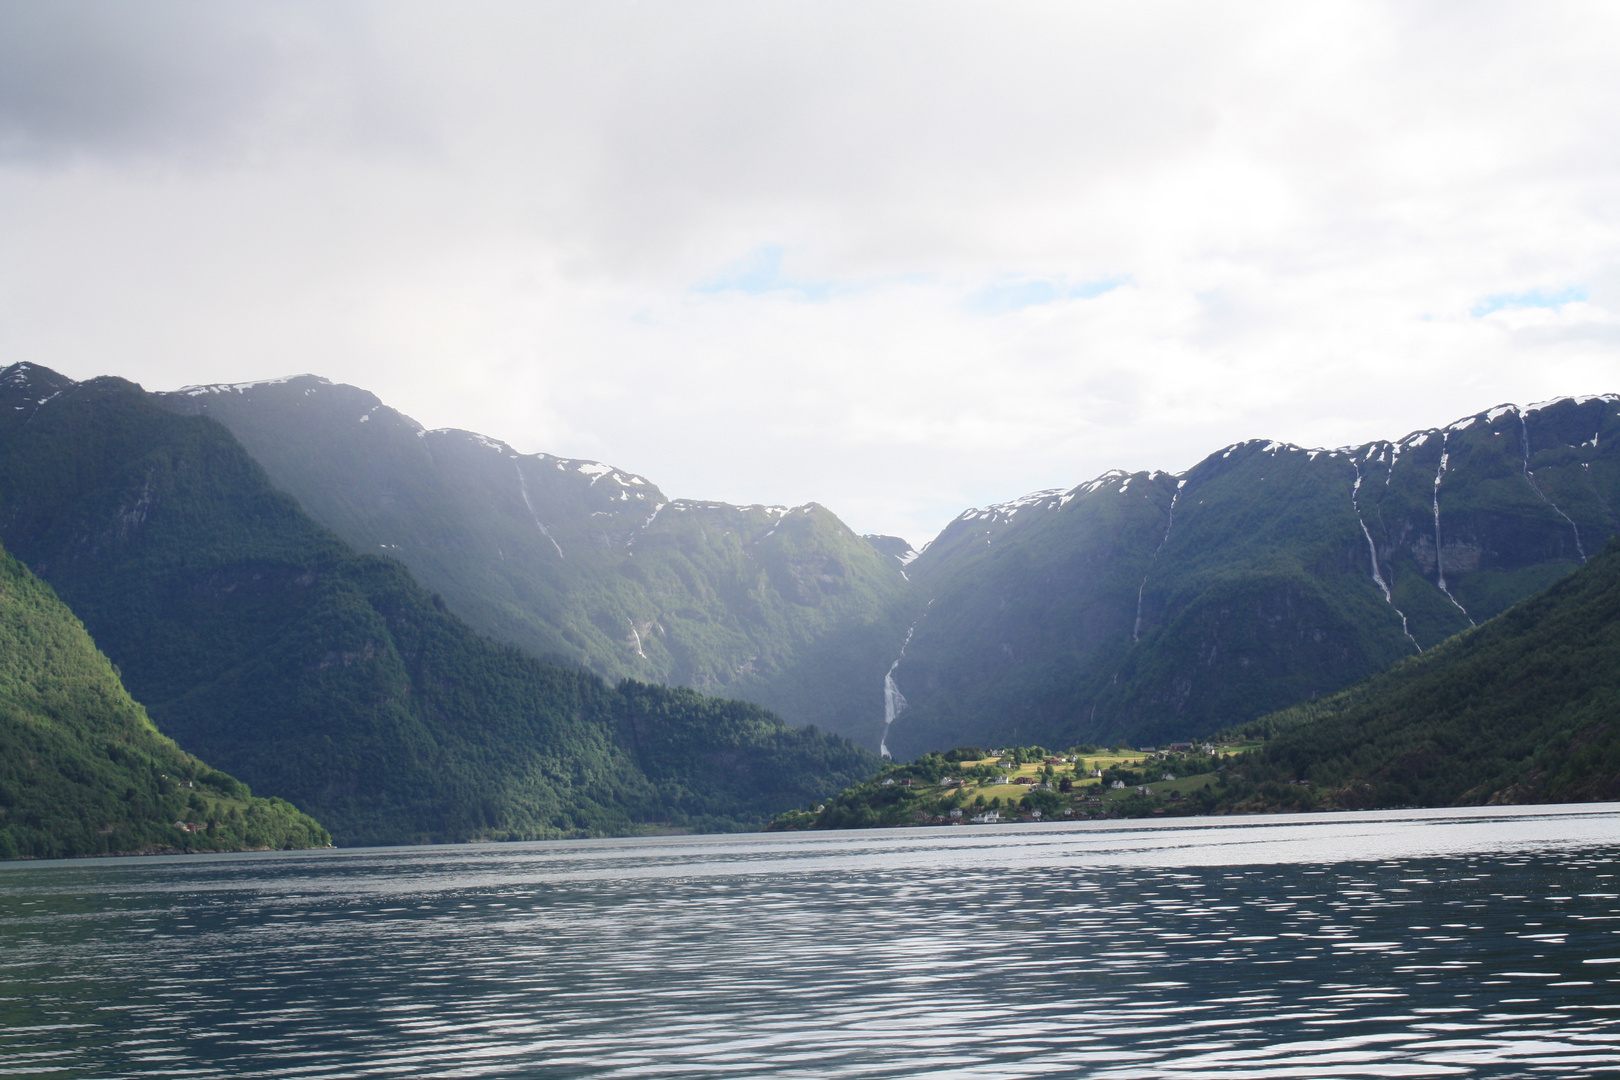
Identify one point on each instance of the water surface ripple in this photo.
(1403, 944)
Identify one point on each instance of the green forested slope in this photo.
(82, 769)
(1526, 708)
(261, 642)
(574, 559)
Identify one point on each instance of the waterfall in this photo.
(1439, 558)
(1372, 552)
(894, 702)
(635, 637)
(523, 487)
(1136, 630)
(1530, 478)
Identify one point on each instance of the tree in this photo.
(1047, 802)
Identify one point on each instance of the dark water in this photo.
(1402, 944)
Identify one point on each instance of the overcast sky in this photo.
(897, 258)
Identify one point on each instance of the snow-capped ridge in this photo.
(482, 440)
(198, 389)
(1057, 498)
(19, 376)
(596, 470)
(1578, 399)
(21, 373)
(773, 511)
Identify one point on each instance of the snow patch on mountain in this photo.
(20, 375)
(243, 387)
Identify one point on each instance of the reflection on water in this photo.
(1478, 943)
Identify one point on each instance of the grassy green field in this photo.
(1084, 783)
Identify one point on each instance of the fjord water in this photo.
(1409, 943)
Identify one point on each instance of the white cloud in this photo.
(897, 258)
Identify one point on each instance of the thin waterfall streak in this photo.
(894, 702)
(1530, 478)
(630, 544)
(1439, 557)
(523, 486)
(1372, 550)
(1372, 553)
(1136, 629)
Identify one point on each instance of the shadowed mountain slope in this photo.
(259, 640)
(784, 606)
(83, 771)
(1138, 606)
(1148, 606)
(1524, 709)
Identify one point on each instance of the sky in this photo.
(896, 258)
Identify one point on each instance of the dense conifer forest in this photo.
(83, 771)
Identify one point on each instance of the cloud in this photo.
(190, 81)
(895, 258)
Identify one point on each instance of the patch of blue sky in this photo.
(1007, 296)
(1534, 298)
(759, 273)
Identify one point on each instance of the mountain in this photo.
(83, 771)
(1525, 708)
(1137, 606)
(262, 642)
(1150, 606)
(580, 561)
(1522, 709)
